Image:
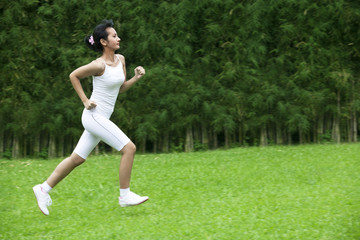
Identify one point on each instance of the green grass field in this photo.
(281, 192)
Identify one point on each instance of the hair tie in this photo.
(91, 40)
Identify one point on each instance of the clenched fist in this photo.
(139, 72)
(89, 104)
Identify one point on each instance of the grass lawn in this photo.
(281, 192)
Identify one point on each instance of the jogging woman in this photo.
(109, 78)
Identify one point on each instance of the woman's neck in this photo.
(109, 57)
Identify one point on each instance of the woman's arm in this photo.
(94, 68)
(139, 72)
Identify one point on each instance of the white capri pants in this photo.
(99, 127)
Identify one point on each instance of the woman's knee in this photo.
(129, 148)
(76, 159)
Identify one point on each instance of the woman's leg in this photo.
(85, 145)
(127, 159)
(107, 131)
(112, 135)
(41, 191)
(128, 198)
(64, 168)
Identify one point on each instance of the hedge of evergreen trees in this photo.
(220, 73)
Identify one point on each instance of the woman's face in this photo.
(113, 40)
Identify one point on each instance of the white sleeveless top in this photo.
(106, 89)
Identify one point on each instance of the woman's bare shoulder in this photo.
(121, 57)
(98, 65)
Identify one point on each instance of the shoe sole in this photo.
(127, 205)
(37, 203)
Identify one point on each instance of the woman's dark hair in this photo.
(93, 41)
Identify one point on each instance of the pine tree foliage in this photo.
(220, 73)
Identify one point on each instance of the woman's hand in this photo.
(89, 104)
(139, 72)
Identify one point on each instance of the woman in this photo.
(108, 73)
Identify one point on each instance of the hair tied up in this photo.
(91, 40)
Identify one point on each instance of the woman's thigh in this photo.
(86, 144)
(105, 130)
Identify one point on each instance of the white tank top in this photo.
(106, 89)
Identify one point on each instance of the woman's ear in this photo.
(103, 42)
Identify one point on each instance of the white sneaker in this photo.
(131, 199)
(43, 199)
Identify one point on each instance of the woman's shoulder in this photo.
(99, 65)
(121, 57)
(99, 62)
